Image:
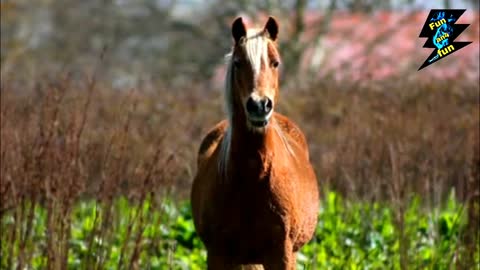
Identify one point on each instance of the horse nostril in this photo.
(267, 105)
(259, 108)
(252, 106)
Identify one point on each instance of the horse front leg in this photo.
(216, 261)
(282, 258)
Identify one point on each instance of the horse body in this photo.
(255, 196)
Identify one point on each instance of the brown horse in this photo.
(255, 196)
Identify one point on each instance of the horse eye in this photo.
(275, 63)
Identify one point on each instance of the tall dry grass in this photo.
(69, 139)
(65, 141)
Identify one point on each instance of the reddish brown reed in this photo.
(375, 145)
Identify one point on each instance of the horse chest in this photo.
(253, 187)
(249, 202)
(248, 224)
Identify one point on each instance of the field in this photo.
(148, 235)
(96, 178)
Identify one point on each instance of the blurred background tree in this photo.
(168, 41)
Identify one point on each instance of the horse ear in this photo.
(271, 27)
(238, 29)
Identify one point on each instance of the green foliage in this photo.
(350, 235)
(367, 236)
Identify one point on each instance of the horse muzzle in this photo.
(259, 111)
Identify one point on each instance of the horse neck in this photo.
(247, 141)
(255, 147)
(243, 138)
(241, 143)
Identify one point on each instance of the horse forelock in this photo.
(256, 49)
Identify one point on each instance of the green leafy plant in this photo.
(350, 235)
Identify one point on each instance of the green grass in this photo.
(350, 235)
